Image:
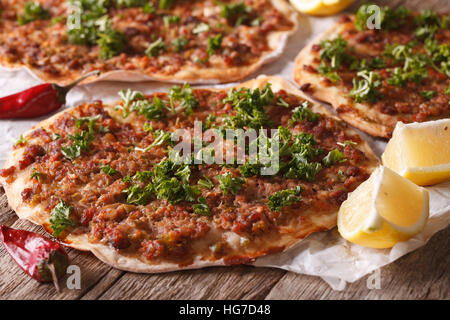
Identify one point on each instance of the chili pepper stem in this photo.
(52, 269)
(62, 91)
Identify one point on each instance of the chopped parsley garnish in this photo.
(205, 183)
(56, 136)
(128, 99)
(184, 96)
(131, 3)
(249, 107)
(447, 90)
(389, 18)
(20, 141)
(334, 52)
(155, 48)
(108, 170)
(179, 43)
(365, 87)
(282, 103)
(168, 20)
(250, 169)
(161, 137)
(235, 13)
(111, 43)
(284, 198)
(149, 8)
(36, 174)
(333, 157)
(428, 94)
(347, 143)
(81, 142)
(201, 207)
(60, 218)
(138, 195)
(89, 24)
(152, 111)
(229, 184)
(90, 121)
(414, 65)
(33, 11)
(166, 4)
(303, 113)
(214, 43)
(168, 181)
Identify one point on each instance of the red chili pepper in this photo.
(42, 259)
(37, 101)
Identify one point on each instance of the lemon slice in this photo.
(420, 151)
(383, 210)
(321, 7)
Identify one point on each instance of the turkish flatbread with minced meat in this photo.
(374, 78)
(175, 41)
(99, 177)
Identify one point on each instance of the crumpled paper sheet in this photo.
(323, 254)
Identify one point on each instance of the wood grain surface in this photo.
(422, 274)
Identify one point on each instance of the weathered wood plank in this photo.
(241, 282)
(7, 216)
(422, 274)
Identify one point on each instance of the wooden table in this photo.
(422, 274)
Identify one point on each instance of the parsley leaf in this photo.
(128, 98)
(229, 184)
(303, 113)
(201, 207)
(205, 183)
(184, 96)
(161, 137)
(235, 13)
(20, 141)
(33, 10)
(111, 43)
(284, 198)
(166, 4)
(60, 218)
(179, 43)
(152, 111)
(365, 86)
(249, 107)
(333, 157)
(108, 170)
(390, 18)
(155, 48)
(81, 142)
(36, 174)
(428, 94)
(214, 43)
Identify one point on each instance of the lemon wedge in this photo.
(321, 7)
(383, 210)
(420, 152)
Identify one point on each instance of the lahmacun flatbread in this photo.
(200, 41)
(374, 78)
(100, 179)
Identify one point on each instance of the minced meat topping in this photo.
(108, 172)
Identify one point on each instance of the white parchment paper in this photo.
(323, 254)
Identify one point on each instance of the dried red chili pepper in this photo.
(37, 101)
(42, 259)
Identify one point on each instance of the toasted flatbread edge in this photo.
(277, 43)
(116, 260)
(335, 95)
